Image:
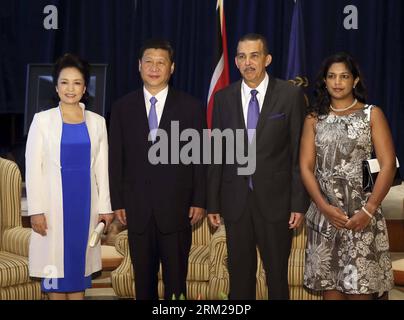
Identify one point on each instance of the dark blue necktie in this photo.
(153, 123)
(252, 120)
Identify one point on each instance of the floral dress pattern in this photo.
(344, 260)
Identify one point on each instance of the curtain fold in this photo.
(108, 31)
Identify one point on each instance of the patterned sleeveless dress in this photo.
(344, 260)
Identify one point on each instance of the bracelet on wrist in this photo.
(367, 212)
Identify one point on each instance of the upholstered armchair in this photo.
(208, 276)
(295, 271)
(207, 271)
(15, 283)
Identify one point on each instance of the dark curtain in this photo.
(112, 31)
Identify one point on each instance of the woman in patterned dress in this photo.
(347, 254)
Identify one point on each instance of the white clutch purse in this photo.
(96, 235)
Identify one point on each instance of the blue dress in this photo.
(75, 159)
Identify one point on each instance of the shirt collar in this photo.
(159, 96)
(261, 87)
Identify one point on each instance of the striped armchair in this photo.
(15, 283)
(295, 272)
(208, 276)
(207, 271)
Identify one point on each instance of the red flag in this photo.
(220, 77)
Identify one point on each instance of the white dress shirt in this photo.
(246, 95)
(161, 100)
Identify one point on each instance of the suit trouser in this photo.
(148, 249)
(274, 244)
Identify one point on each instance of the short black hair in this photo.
(255, 37)
(69, 60)
(157, 44)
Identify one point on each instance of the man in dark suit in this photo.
(159, 202)
(263, 208)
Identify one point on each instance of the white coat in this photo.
(44, 190)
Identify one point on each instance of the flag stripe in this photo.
(219, 43)
(220, 77)
(216, 76)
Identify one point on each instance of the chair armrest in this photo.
(122, 278)
(122, 246)
(218, 253)
(121, 243)
(299, 237)
(16, 240)
(218, 272)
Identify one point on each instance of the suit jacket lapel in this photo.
(239, 112)
(270, 99)
(55, 134)
(166, 118)
(140, 114)
(239, 106)
(92, 133)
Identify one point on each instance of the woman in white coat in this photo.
(67, 186)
